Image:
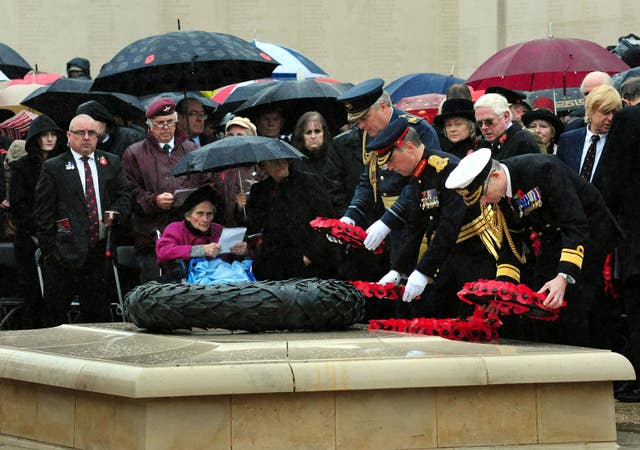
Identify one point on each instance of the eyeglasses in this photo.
(310, 132)
(81, 133)
(485, 122)
(198, 115)
(164, 124)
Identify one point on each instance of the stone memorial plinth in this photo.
(114, 386)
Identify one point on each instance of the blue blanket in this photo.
(217, 271)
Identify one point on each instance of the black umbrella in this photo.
(234, 95)
(295, 98)
(12, 64)
(60, 99)
(183, 61)
(234, 151)
(209, 105)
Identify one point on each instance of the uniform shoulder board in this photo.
(411, 118)
(438, 162)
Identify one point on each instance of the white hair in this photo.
(496, 102)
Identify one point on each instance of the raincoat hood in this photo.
(39, 125)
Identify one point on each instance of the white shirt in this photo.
(162, 144)
(96, 185)
(599, 148)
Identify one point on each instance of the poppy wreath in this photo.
(386, 291)
(508, 298)
(481, 326)
(349, 234)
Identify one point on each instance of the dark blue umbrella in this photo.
(420, 83)
(183, 61)
(567, 99)
(11, 63)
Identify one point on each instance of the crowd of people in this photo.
(493, 189)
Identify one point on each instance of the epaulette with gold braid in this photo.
(410, 118)
(438, 162)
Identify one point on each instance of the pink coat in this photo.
(177, 240)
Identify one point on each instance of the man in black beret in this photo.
(544, 210)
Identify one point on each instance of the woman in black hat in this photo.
(457, 120)
(546, 125)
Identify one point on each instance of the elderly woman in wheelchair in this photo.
(190, 248)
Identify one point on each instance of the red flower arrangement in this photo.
(508, 298)
(349, 234)
(386, 291)
(479, 327)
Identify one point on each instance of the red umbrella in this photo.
(425, 105)
(36, 78)
(545, 64)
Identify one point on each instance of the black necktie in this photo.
(92, 204)
(166, 148)
(590, 158)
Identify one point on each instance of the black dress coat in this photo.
(576, 231)
(60, 196)
(515, 141)
(281, 212)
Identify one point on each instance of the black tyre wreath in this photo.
(296, 304)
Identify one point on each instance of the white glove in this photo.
(391, 277)
(375, 234)
(416, 283)
(345, 219)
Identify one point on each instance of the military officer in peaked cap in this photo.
(442, 215)
(360, 192)
(540, 202)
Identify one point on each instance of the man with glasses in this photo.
(191, 120)
(503, 136)
(148, 165)
(546, 212)
(81, 194)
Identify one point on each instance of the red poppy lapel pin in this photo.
(102, 160)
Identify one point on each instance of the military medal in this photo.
(429, 199)
(529, 201)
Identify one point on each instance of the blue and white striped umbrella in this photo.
(293, 64)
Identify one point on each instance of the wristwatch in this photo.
(568, 278)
